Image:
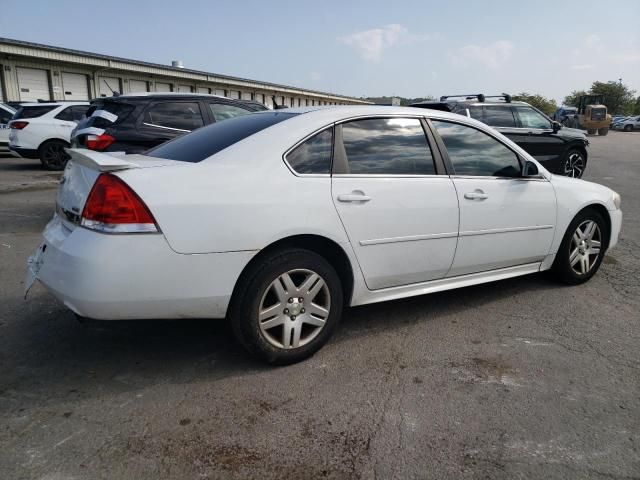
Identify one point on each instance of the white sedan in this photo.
(276, 220)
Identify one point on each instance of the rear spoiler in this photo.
(102, 162)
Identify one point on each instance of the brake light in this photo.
(18, 125)
(113, 207)
(99, 142)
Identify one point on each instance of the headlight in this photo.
(617, 201)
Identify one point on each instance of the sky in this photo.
(358, 48)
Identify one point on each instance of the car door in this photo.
(399, 209)
(538, 137)
(505, 219)
(166, 120)
(65, 123)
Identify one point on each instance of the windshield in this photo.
(204, 142)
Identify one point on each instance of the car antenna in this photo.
(275, 105)
(114, 92)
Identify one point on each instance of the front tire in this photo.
(628, 128)
(52, 155)
(603, 131)
(287, 307)
(574, 164)
(591, 131)
(582, 248)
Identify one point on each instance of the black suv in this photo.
(560, 149)
(137, 122)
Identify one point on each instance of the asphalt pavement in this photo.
(523, 378)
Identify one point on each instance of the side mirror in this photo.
(530, 169)
(556, 126)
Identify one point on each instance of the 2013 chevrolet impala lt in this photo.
(275, 220)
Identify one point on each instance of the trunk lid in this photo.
(82, 171)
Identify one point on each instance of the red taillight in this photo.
(99, 142)
(18, 125)
(114, 207)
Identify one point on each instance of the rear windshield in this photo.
(204, 142)
(120, 109)
(33, 112)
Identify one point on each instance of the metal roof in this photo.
(170, 70)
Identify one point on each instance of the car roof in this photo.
(140, 96)
(473, 102)
(167, 94)
(44, 104)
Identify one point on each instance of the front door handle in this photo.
(355, 196)
(476, 195)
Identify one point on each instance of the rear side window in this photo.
(499, 116)
(5, 116)
(223, 111)
(33, 112)
(387, 146)
(474, 153)
(313, 156)
(204, 142)
(184, 116)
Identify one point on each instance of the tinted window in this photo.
(473, 152)
(5, 116)
(314, 155)
(207, 141)
(499, 116)
(73, 114)
(475, 112)
(391, 146)
(530, 118)
(179, 115)
(33, 112)
(120, 109)
(223, 111)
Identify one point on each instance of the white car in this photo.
(43, 130)
(6, 113)
(277, 219)
(628, 124)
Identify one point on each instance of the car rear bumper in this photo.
(24, 152)
(112, 277)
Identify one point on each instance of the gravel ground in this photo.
(523, 378)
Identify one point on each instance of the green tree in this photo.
(636, 108)
(547, 105)
(618, 98)
(571, 100)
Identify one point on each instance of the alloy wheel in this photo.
(574, 166)
(585, 247)
(54, 156)
(294, 309)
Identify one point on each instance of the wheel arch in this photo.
(602, 210)
(323, 246)
(52, 139)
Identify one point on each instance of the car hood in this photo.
(572, 133)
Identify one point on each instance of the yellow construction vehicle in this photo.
(591, 116)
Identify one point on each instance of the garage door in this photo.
(33, 84)
(163, 87)
(259, 97)
(219, 91)
(233, 94)
(75, 86)
(108, 85)
(246, 95)
(184, 89)
(138, 86)
(204, 90)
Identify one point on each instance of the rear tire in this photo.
(582, 249)
(52, 155)
(573, 164)
(287, 307)
(603, 131)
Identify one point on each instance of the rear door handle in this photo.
(355, 196)
(477, 195)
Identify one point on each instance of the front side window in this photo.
(475, 153)
(78, 112)
(185, 116)
(313, 155)
(222, 111)
(65, 114)
(499, 116)
(387, 146)
(530, 118)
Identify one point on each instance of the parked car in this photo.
(563, 113)
(559, 149)
(6, 113)
(137, 122)
(627, 124)
(277, 219)
(43, 130)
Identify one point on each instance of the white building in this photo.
(31, 72)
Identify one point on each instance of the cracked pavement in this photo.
(523, 378)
